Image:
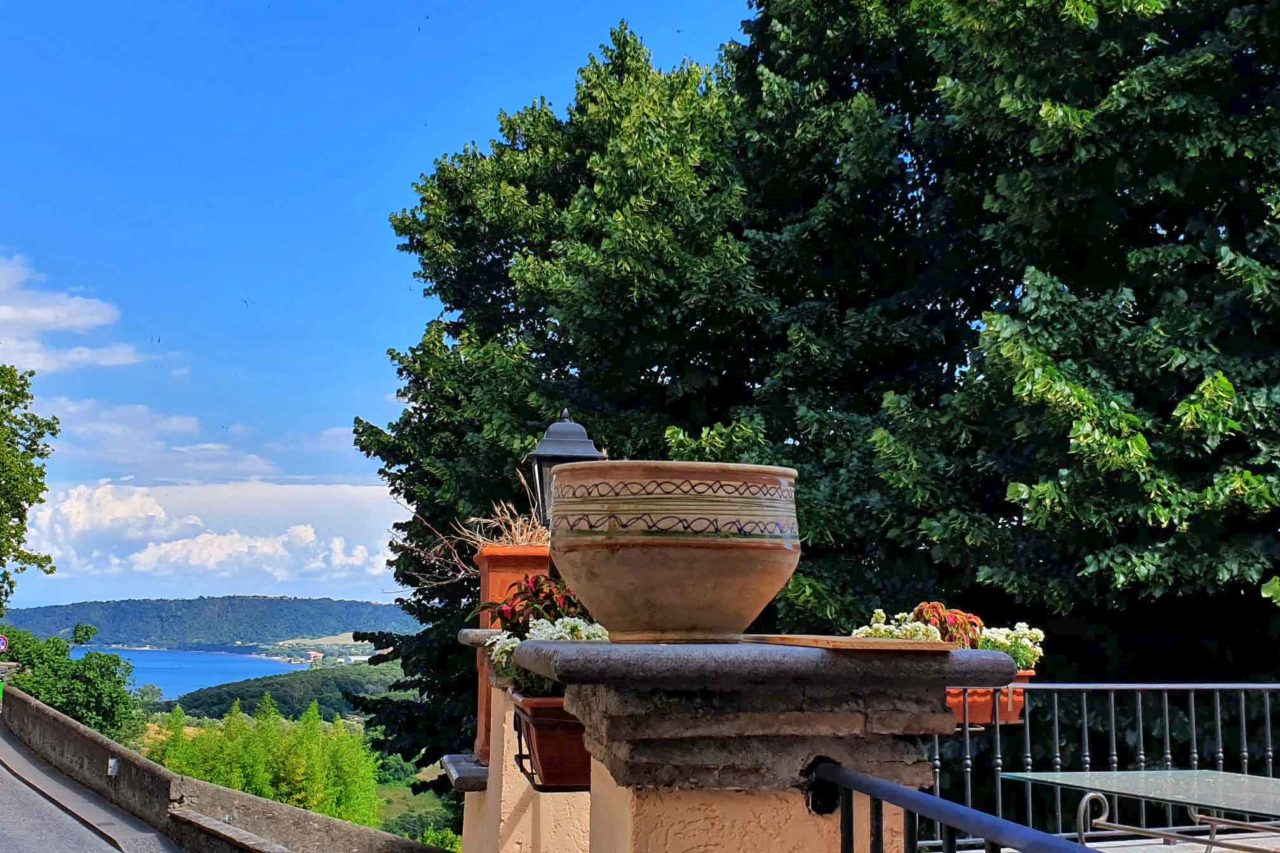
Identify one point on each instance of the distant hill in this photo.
(217, 623)
(294, 691)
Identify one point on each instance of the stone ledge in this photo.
(755, 717)
(702, 666)
(465, 773)
(476, 637)
(232, 837)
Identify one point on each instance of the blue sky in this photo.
(195, 256)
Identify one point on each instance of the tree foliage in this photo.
(581, 261)
(220, 623)
(999, 280)
(1117, 429)
(322, 767)
(93, 689)
(24, 448)
(332, 688)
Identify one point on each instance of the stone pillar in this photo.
(704, 748)
(509, 816)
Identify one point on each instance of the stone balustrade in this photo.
(705, 747)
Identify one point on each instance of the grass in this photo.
(400, 800)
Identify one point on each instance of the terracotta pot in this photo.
(500, 566)
(674, 551)
(553, 738)
(982, 703)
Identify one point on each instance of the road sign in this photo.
(4, 644)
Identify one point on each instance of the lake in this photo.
(177, 672)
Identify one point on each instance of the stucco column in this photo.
(704, 748)
(506, 815)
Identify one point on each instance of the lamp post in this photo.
(565, 441)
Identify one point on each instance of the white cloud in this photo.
(246, 537)
(28, 316)
(227, 552)
(129, 511)
(154, 446)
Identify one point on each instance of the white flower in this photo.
(1021, 642)
(902, 628)
(502, 646)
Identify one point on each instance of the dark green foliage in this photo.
(218, 623)
(331, 688)
(1117, 430)
(394, 770)
(575, 259)
(319, 766)
(94, 690)
(24, 447)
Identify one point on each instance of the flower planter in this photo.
(982, 704)
(554, 757)
(500, 566)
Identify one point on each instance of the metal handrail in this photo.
(1226, 726)
(996, 832)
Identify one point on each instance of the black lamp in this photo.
(565, 441)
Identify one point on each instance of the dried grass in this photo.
(448, 558)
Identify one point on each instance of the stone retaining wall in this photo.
(201, 817)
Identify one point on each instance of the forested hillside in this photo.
(330, 687)
(211, 623)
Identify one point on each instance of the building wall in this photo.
(509, 816)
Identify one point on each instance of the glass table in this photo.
(1195, 790)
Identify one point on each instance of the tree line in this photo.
(216, 623)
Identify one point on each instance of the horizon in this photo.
(194, 244)
(200, 597)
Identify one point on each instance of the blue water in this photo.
(177, 672)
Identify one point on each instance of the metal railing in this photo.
(1102, 726)
(832, 785)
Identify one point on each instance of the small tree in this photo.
(94, 689)
(24, 448)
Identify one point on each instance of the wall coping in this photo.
(476, 637)
(234, 836)
(733, 666)
(152, 792)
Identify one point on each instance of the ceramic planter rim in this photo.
(743, 467)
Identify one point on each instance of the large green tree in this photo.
(24, 448)
(999, 280)
(1117, 431)
(864, 206)
(592, 260)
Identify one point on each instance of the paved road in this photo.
(31, 824)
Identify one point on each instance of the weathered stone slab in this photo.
(476, 637)
(707, 666)
(465, 773)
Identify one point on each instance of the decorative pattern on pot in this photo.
(674, 551)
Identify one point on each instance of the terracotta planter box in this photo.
(500, 566)
(552, 738)
(982, 704)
